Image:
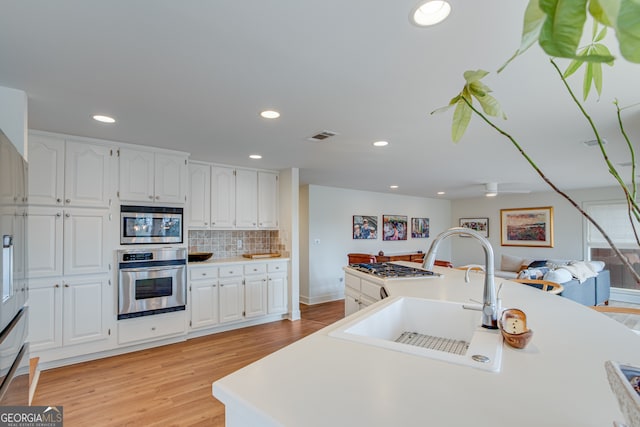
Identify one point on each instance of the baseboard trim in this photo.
(320, 299)
(625, 295)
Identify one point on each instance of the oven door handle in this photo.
(148, 269)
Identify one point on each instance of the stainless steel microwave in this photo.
(150, 224)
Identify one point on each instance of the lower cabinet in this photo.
(231, 293)
(149, 328)
(69, 311)
(359, 293)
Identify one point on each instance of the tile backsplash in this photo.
(224, 243)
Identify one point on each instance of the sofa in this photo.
(594, 290)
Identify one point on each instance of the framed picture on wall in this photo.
(527, 227)
(394, 227)
(365, 226)
(419, 228)
(481, 225)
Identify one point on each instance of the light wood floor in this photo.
(170, 385)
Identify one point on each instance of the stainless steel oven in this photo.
(150, 224)
(151, 281)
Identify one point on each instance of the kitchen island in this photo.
(557, 380)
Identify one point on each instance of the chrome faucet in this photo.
(489, 298)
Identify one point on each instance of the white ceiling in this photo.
(194, 75)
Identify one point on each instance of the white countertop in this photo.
(558, 380)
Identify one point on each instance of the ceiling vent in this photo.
(321, 136)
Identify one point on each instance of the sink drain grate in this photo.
(434, 343)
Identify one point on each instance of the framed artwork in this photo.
(419, 228)
(527, 227)
(365, 227)
(481, 225)
(395, 227)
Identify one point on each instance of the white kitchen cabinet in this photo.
(68, 241)
(86, 303)
(246, 198)
(255, 295)
(223, 197)
(148, 177)
(69, 173)
(267, 200)
(359, 293)
(277, 287)
(203, 283)
(150, 328)
(199, 196)
(231, 294)
(66, 312)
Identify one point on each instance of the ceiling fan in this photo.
(491, 190)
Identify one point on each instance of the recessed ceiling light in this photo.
(270, 114)
(428, 13)
(393, 187)
(104, 119)
(255, 156)
(440, 193)
(381, 143)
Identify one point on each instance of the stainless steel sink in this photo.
(441, 330)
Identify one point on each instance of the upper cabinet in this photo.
(69, 173)
(147, 176)
(239, 198)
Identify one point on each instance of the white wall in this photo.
(13, 117)
(327, 217)
(567, 221)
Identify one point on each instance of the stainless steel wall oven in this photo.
(151, 281)
(150, 224)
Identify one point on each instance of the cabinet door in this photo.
(136, 180)
(231, 299)
(170, 176)
(86, 242)
(87, 179)
(46, 170)
(255, 295)
(45, 314)
(246, 198)
(267, 200)
(204, 303)
(223, 197)
(277, 293)
(351, 301)
(45, 246)
(86, 304)
(199, 198)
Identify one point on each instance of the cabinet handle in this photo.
(204, 274)
(68, 215)
(151, 197)
(231, 272)
(222, 286)
(56, 285)
(66, 285)
(67, 201)
(153, 328)
(157, 197)
(58, 214)
(205, 223)
(58, 200)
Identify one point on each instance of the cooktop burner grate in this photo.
(386, 269)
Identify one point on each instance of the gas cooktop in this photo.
(391, 270)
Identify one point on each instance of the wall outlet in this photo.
(239, 244)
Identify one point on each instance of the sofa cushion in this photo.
(596, 266)
(538, 264)
(513, 263)
(559, 275)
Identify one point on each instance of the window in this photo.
(613, 217)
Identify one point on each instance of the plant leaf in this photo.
(586, 84)
(597, 77)
(576, 63)
(490, 106)
(601, 35)
(628, 30)
(471, 76)
(534, 17)
(602, 50)
(604, 11)
(561, 32)
(461, 119)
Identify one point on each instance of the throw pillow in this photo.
(533, 273)
(596, 266)
(559, 275)
(537, 264)
(510, 263)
